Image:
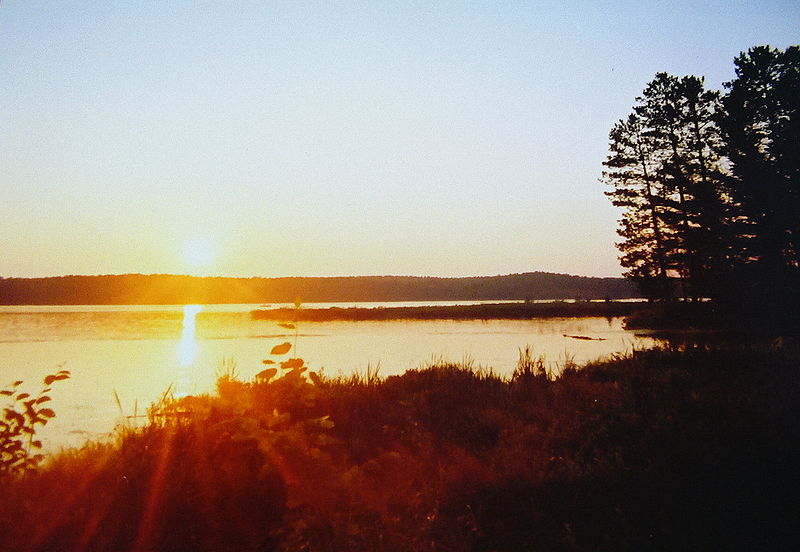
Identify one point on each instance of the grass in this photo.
(694, 448)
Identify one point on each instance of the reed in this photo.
(693, 448)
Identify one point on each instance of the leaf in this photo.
(281, 349)
(6, 393)
(23, 396)
(287, 325)
(49, 379)
(13, 416)
(315, 379)
(268, 361)
(62, 377)
(40, 400)
(17, 383)
(47, 413)
(266, 375)
(36, 444)
(292, 363)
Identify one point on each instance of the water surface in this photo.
(141, 351)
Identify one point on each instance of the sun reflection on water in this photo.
(187, 348)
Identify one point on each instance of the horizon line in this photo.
(309, 277)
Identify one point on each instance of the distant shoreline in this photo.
(489, 311)
(166, 289)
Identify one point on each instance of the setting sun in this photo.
(198, 253)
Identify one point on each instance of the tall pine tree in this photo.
(675, 213)
(646, 238)
(762, 129)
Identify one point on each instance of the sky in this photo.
(334, 138)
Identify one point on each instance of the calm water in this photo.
(140, 351)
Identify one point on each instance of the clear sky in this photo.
(333, 138)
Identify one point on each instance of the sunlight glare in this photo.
(198, 253)
(187, 348)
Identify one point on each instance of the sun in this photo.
(198, 253)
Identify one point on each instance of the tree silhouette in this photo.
(631, 172)
(761, 125)
(665, 171)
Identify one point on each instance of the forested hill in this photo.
(132, 289)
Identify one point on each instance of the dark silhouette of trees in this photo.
(646, 236)
(710, 186)
(664, 168)
(142, 289)
(761, 125)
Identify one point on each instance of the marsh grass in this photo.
(686, 449)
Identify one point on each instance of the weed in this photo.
(691, 449)
(21, 417)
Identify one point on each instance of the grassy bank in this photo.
(495, 311)
(768, 319)
(664, 450)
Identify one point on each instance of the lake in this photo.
(138, 352)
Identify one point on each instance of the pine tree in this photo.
(762, 130)
(679, 194)
(631, 174)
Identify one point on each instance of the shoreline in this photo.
(489, 311)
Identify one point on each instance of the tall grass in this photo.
(690, 449)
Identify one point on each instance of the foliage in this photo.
(710, 185)
(666, 173)
(18, 426)
(762, 133)
(130, 289)
(689, 449)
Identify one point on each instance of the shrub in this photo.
(21, 417)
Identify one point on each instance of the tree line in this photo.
(709, 184)
(145, 289)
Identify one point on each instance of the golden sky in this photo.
(291, 139)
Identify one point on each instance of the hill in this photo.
(142, 289)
